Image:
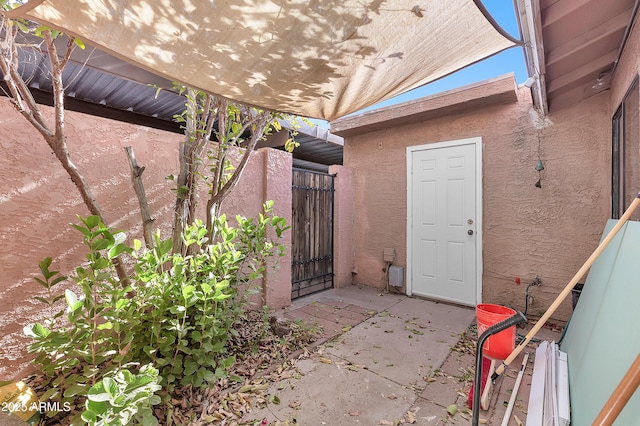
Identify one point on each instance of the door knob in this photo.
(470, 232)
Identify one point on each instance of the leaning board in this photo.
(602, 338)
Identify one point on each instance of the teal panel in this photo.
(602, 339)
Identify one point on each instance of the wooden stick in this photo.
(488, 387)
(620, 395)
(514, 392)
(583, 270)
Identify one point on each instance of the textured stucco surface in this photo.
(343, 225)
(527, 231)
(38, 201)
(277, 180)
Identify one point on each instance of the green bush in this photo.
(175, 312)
(123, 398)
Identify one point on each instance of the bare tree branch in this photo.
(261, 121)
(138, 186)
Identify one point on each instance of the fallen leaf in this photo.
(354, 413)
(518, 421)
(325, 360)
(452, 409)
(386, 423)
(411, 418)
(346, 328)
(392, 396)
(294, 404)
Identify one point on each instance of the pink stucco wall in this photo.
(527, 231)
(277, 178)
(38, 201)
(267, 177)
(343, 226)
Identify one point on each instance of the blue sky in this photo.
(510, 60)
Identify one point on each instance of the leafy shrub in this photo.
(120, 399)
(175, 312)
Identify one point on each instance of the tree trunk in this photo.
(138, 186)
(220, 192)
(24, 102)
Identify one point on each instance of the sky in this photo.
(510, 60)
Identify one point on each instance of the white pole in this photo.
(514, 392)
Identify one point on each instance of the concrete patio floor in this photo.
(389, 359)
(385, 359)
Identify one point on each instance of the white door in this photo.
(443, 224)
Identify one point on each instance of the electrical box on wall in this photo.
(396, 276)
(389, 254)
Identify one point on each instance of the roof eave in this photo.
(496, 91)
(530, 22)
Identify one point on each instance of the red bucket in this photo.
(499, 345)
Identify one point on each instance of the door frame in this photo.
(477, 142)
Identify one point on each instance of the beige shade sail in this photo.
(316, 58)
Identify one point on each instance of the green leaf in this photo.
(24, 28)
(89, 417)
(110, 386)
(76, 389)
(57, 280)
(119, 238)
(452, 409)
(117, 250)
(122, 303)
(41, 299)
(98, 394)
(76, 306)
(42, 283)
(208, 376)
(36, 330)
(98, 407)
(119, 401)
(165, 246)
(79, 43)
(50, 393)
(187, 292)
(105, 326)
(91, 221)
(44, 265)
(101, 263)
(100, 244)
(71, 298)
(190, 368)
(149, 420)
(82, 229)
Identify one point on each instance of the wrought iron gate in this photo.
(311, 232)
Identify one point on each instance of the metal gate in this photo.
(311, 232)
